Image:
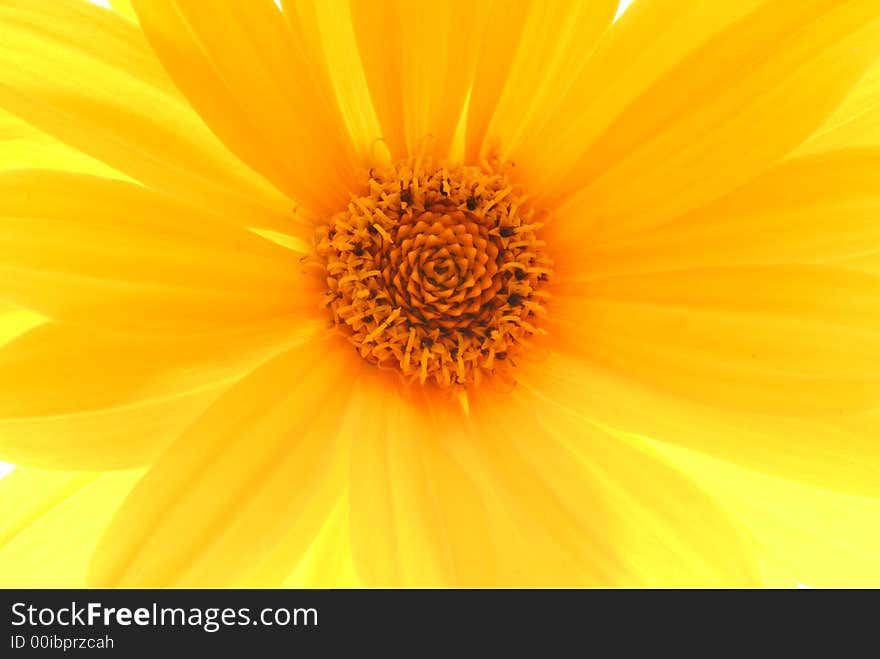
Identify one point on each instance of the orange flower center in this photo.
(437, 272)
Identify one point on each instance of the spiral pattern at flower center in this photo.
(437, 272)
(442, 269)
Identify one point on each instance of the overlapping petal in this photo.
(239, 497)
(88, 77)
(808, 535)
(112, 254)
(327, 26)
(519, 494)
(77, 398)
(529, 54)
(633, 159)
(813, 209)
(248, 71)
(837, 453)
(23, 146)
(419, 64)
(117, 437)
(417, 517)
(52, 522)
(590, 509)
(15, 321)
(799, 340)
(124, 8)
(856, 123)
(329, 562)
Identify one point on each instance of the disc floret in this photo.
(437, 271)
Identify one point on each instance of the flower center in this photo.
(437, 272)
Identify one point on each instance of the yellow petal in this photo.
(419, 63)
(245, 68)
(124, 8)
(786, 339)
(594, 510)
(328, 562)
(65, 252)
(23, 146)
(642, 46)
(810, 536)
(258, 474)
(547, 499)
(856, 123)
(767, 82)
(417, 518)
(15, 321)
(87, 77)
(62, 369)
(529, 55)
(78, 398)
(110, 438)
(815, 209)
(328, 28)
(835, 453)
(52, 522)
(865, 263)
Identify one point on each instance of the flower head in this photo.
(441, 293)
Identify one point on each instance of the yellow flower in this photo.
(439, 293)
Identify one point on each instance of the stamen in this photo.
(437, 272)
